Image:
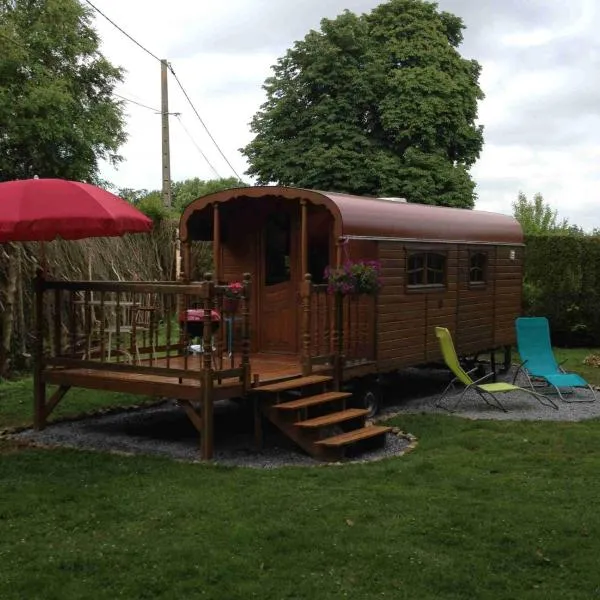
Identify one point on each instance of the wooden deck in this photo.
(266, 368)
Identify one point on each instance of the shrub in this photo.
(562, 282)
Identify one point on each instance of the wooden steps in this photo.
(293, 384)
(333, 418)
(318, 420)
(313, 400)
(357, 435)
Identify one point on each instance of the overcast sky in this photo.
(540, 59)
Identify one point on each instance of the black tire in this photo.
(369, 397)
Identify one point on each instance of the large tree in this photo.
(381, 103)
(57, 111)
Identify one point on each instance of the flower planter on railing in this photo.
(354, 278)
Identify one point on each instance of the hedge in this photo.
(562, 282)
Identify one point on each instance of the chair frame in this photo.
(530, 378)
(483, 393)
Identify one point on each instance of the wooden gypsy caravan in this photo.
(308, 360)
(455, 268)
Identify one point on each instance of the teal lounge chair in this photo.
(485, 390)
(538, 362)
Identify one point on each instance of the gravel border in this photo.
(163, 429)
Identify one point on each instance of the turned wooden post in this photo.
(305, 291)
(207, 440)
(338, 340)
(246, 342)
(39, 385)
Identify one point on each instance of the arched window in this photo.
(426, 269)
(478, 268)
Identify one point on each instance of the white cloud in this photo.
(540, 58)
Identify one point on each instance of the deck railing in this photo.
(142, 327)
(181, 331)
(337, 330)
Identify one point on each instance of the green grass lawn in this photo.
(479, 510)
(16, 402)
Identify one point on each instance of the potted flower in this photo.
(231, 296)
(354, 277)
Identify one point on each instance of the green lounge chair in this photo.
(485, 390)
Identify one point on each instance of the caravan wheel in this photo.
(369, 395)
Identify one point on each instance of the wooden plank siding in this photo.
(509, 292)
(480, 316)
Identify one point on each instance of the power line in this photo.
(202, 122)
(123, 31)
(198, 147)
(135, 102)
(178, 83)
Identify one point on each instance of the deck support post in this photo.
(39, 385)
(207, 436)
(305, 291)
(338, 341)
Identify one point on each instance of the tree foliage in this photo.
(182, 193)
(537, 216)
(376, 104)
(58, 115)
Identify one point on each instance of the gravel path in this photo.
(164, 429)
(417, 391)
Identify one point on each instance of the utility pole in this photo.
(166, 154)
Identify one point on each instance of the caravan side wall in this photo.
(479, 299)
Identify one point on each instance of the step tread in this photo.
(333, 418)
(292, 384)
(312, 400)
(350, 437)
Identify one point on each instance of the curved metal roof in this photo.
(376, 218)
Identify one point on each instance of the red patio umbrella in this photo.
(39, 210)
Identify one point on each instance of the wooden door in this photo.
(278, 315)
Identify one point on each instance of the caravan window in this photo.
(426, 269)
(477, 268)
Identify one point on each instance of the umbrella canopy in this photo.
(39, 210)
